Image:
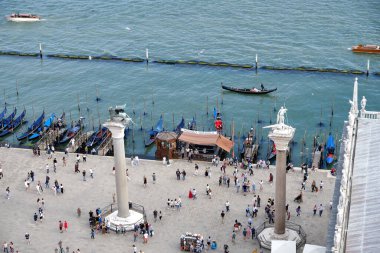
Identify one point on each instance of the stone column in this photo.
(280, 192)
(117, 130)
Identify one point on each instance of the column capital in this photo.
(281, 135)
(116, 128)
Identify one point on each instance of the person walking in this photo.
(178, 174)
(7, 193)
(154, 177)
(145, 181)
(64, 161)
(258, 200)
(65, 225)
(298, 210)
(227, 206)
(183, 174)
(261, 185)
(135, 235)
(84, 175)
(222, 214)
(91, 173)
(155, 214)
(35, 217)
(244, 234)
(92, 233)
(5, 247)
(55, 165)
(315, 210)
(27, 238)
(60, 225)
(233, 236)
(320, 210)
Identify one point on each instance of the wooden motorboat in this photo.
(253, 91)
(368, 49)
(23, 17)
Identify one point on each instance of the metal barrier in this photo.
(289, 225)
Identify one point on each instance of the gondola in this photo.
(71, 132)
(97, 137)
(32, 128)
(153, 133)
(193, 125)
(330, 148)
(2, 114)
(48, 123)
(5, 122)
(14, 124)
(180, 126)
(253, 91)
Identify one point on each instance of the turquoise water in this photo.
(291, 34)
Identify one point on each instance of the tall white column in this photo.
(117, 130)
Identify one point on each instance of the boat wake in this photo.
(128, 29)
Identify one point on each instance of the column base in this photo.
(267, 235)
(126, 224)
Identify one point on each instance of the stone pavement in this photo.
(200, 216)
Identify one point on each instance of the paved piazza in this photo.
(200, 216)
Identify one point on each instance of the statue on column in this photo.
(281, 116)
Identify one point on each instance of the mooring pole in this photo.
(257, 62)
(147, 55)
(41, 50)
(368, 68)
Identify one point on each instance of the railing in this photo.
(369, 115)
(132, 206)
(288, 225)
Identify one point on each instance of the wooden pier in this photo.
(316, 159)
(251, 152)
(79, 139)
(105, 146)
(50, 137)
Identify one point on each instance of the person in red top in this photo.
(65, 225)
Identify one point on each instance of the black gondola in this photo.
(253, 91)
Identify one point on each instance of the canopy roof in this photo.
(206, 138)
(166, 136)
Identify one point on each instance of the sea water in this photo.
(296, 33)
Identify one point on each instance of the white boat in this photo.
(23, 17)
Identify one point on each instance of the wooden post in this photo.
(367, 68)
(147, 55)
(207, 105)
(41, 50)
(16, 87)
(257, 62)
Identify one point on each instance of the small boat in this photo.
(330, 147)
(23, 17)
(153, 133)
(14, 124)
(48, 123)
(180, 126)
(368, 49)
(2, 114)
(71, 132)
(97, 137)
(5, 122)
(253, 91)
(32, 128)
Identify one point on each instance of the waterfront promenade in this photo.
(196, 216)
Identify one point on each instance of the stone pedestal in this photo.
(127, 224)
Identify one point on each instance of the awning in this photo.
(206, 138)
